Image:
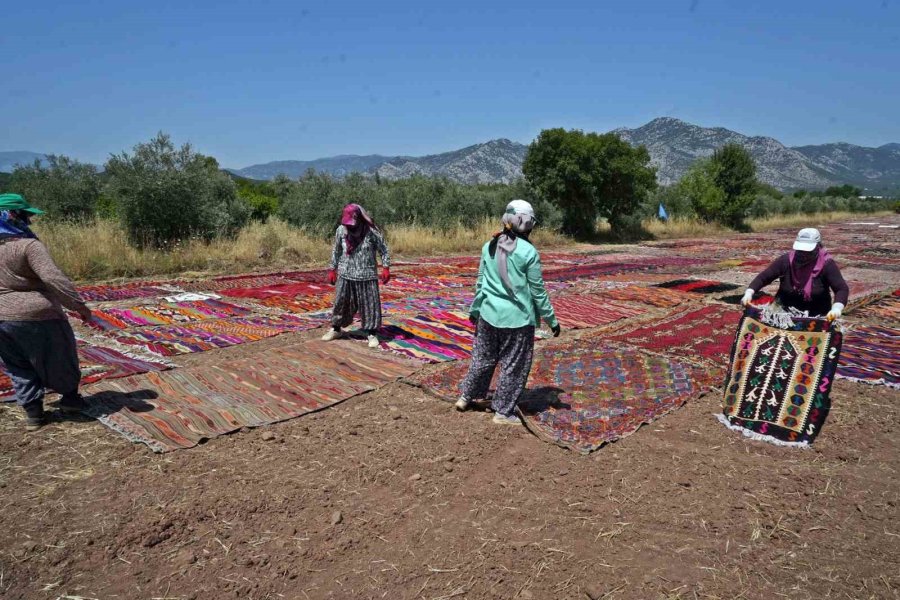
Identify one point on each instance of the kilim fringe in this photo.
(758, 436)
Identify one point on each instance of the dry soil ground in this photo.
(394, 495)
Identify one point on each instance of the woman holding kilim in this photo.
(807, 276)
(354, 273)
(510, 301)
(37, 344)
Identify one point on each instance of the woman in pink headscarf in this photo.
(354, 272)
(807, 275)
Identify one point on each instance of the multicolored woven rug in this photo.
(179, 409)
(871, 354)
(110, 319)
(652, 296)
(100, 361)
(579, 311)
(778, 384)
(704, 333)
(434, 337)
(583, 394)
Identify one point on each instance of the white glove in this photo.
(835, 312)
(748, 297)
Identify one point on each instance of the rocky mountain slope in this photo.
(674, 145)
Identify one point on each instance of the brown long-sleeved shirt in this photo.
(32, 287)
(830, 279)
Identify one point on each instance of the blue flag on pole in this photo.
(663, 215)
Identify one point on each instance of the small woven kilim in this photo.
(871, 354)
(289, 290)
(435, 337)
(582, 395)
(180, 408)
(653, 296)
(778, 384)
(578, 311)
(105, 293)
(300, 304)
(698, 333)
(98, 362)
(164, 314)
(886, 309)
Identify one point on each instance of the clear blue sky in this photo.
(267, 80)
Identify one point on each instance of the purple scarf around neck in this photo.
(802, 275)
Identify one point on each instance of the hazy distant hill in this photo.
(9, 160)
(338, 166)
(875, 168)
(490, 162)
(673, 144)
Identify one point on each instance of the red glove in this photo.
(385, 275)
(332, 277)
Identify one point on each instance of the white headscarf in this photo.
(518, 220)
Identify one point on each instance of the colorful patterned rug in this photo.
(871, 354)
(201, 336)
(98, 360)
(180, 408)
(778, 384)
(128, 291)
(704, 333)
(579, 311)
(582, 395)
(435, 337)
(698, 286)
(886, 309)
(653, 296)
(111, 319)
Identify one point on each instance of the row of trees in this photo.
(163, 194)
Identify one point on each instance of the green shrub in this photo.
(164, 195)
(64, 188)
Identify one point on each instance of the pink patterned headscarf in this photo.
(803, 273)
(358, 223)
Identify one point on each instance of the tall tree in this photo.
(589, 175)
(735, 175)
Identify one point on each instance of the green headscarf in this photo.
(17, 202)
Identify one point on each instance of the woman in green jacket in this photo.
(510, 300)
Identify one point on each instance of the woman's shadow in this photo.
(106, 403)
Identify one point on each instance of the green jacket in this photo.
(497, 306)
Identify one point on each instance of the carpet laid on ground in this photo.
(580, 311)
(871, 354)
(703, 333)
(180, 408)
(99, 360)
(778, 384)
(585, 393)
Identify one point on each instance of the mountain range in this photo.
(673, 145)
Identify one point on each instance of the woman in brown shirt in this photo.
(37, 344)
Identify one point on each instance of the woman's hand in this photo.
(556, 330)
(835, 313)
(85, 314)
(385, 275)
(332, 277)
(748, 297)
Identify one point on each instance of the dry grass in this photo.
(691, 228)
(100, 250)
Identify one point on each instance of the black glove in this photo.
(556, 330)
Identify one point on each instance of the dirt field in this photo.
(394, 495)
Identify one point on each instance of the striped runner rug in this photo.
(181, 408)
